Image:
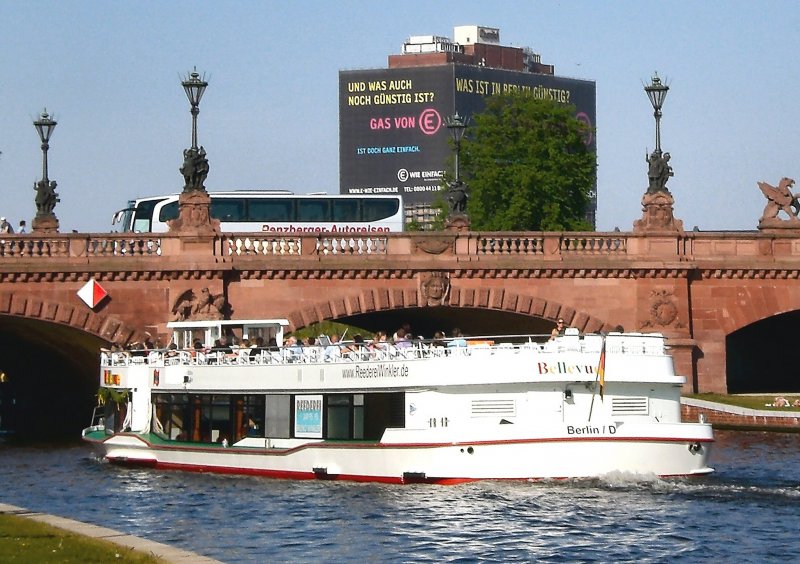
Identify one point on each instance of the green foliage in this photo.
(329, 328)
(527, 166)
(105, 395)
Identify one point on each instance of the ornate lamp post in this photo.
(195, 163)
(194, 202)
(658, 171)
(46, 197)
(457, 126)
(657, 202)
(457, 219)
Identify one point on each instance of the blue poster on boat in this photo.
(308, 416)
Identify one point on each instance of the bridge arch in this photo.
(372, 308)
(105, 327)
(48, 357)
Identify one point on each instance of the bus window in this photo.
(270, 209)
(375, 210)
(142, 216)
(168, 212)
(317, 209)
(345, 210)
(228, 209)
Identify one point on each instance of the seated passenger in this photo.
(401, 340)
(457, 339)
(293, 351)
(255, 350)
(333, 351)
(558, 330)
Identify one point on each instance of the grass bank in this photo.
(25, 540)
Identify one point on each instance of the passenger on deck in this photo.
(438, 339)
(255, 350)
(457, 339)
(356, 348)
(333, 351)
(558, 330)
(378, 344)
(224, 349)
(401, 340)
(292, 351)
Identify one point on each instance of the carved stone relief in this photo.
(434, 287)
(663, 311)
(203, 306)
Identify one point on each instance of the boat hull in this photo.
(454, 462)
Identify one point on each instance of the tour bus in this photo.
(272, 211)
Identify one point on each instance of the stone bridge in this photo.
(727, 301)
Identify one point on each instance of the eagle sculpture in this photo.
(779, 198)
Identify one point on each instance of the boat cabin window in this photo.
(208, 418)
(214, 418)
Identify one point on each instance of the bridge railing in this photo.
(686, 246)
(255, 244)
(79, 245)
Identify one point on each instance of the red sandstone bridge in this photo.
(726, 300)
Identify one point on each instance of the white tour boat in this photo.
(490, 409)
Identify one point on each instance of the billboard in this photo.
(392, 133)
(392, 137)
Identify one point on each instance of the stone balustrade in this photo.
(723, 247)
(690, 246)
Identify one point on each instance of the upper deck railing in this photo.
(634, 344)
(751, 246)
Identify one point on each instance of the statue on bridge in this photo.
(206, 306)
(46, 197)
(658, 172)
(457, 198)
(194, 169)
(779, 198)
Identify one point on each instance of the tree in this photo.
(527, 166)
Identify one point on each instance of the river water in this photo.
(748, 511)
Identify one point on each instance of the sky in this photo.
(110, 72)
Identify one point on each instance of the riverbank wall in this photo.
(723, 416)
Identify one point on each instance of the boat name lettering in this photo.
(592, 430)
(376, 371)
(564, 368)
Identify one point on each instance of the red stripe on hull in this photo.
(284, 474)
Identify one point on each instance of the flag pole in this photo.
(599, 375)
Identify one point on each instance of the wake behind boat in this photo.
(494, 409)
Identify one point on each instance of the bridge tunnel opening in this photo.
(758, 356)
(471, 321)
(50, 379)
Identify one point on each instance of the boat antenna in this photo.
(599, 375)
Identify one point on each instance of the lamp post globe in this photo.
(657, 92)
(457, 125)
(194, 86)
(45, 126)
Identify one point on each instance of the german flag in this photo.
(601, 368)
